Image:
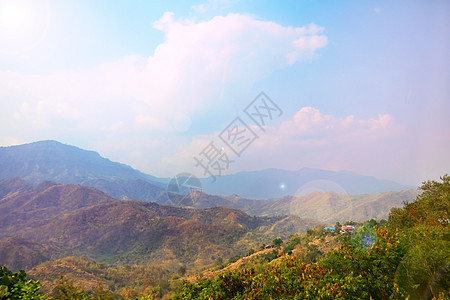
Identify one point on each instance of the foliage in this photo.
(17, 286)
(424, 226)
(294, 240)
(405, 258)
(431, 207)
(277, 242)
(81, 274)
(65, 290)
(346, 273)
(365, 236)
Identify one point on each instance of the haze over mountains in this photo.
(58, 200)
(60, 163)
(323, 195)
(327, 207)
(274, 183)
(56, 220)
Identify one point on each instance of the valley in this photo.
(124, 232)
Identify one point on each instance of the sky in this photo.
(175, 86)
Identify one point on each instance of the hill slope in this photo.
(331, 207)
(60, 163)
(43, 203)
(325, 207)
(78, 220)
(13, 186)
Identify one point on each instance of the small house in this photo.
(329, 228)
(347, 228)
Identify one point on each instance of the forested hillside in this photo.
(408, 258)
(52, 221)
(405, 257)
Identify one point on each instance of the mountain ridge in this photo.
(60, 163)
(24, 163)
(276, 183)
(73, 219)
(53, 161)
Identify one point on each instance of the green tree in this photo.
(313, 253)
(277, 242)
(365, 236)
(337, 228)
(17, 286)
(66, 290)
(424, 228)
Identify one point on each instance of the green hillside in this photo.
(408, 258)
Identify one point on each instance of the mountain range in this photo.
(58, 200)
(60, 163)
(326, 207)
(275, 183)
(323, 195)
(56, 220)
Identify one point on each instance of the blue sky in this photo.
(363, 85)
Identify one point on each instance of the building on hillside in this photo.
(329, 228)
(347, 229)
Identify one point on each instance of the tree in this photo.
(337, 228)
(277, 242)
(423, 224)
(313, 253)
(66, 290)
(182, 270)
(17, 286)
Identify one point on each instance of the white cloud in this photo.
(311, 123)
(146, 98)
(310, 138)
(186, 74)
(198, 59)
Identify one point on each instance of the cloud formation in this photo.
(187, 73)
(308, 139)
(148, 101)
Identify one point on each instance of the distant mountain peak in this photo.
(61, 163)
(48, 142)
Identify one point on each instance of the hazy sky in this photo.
(359, 85)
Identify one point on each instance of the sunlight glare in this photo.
(23, 24)
(14, 18)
